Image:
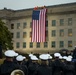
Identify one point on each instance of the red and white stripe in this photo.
(38, 27)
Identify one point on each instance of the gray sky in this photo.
(25, 4)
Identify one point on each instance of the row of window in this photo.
(53, 23)
(53, 33)
(61, 32)
(53, 44)
(62, 22)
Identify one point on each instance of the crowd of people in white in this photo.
(45, 64)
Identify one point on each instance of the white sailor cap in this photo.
(34, 58)
(56, 54)
(30, 55)
(64, 57)
(60, 57)
(50, 57)
(48, 54)
(19, 58)
(24, 57)
(68, 59)
(70, 56)
(43, 57)
(16, 54)
(10, 53)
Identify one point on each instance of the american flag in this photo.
(38, 25)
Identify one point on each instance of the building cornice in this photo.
(69, 8)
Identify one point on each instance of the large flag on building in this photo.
(38, 25)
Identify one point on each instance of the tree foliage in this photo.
(5, 37)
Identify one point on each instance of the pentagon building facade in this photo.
(60, 28)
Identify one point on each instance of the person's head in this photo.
(50, 57)
(34, 59)
(57, 55)
(44, 59)
(70, 56)
(30, 55)
(60, 58)
(64, 58)
(19, 58)
(9, 54)
(68, 60)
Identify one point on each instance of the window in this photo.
(61, 22)
(18, 25)
(45, 44)
(61, 32)
(46, 23)
(46, 33)
(38, 45)
(69, 32)
(24, 25)
(31, 44)
(53, 22)
(18, 35)
(17, 45)
(69, 43)
(24, 44)
(61, 44)
(30, 24)
(53, 33)
(69, 21)
(12, 26)
(12, 35)
(24, 34)
(53, 44)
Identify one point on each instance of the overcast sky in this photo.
(25, 4)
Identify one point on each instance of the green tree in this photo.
(5, 37)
